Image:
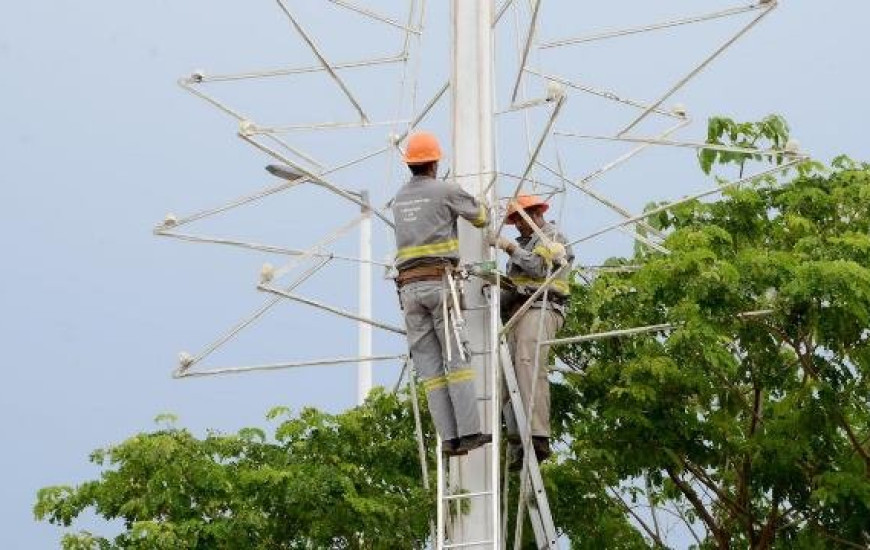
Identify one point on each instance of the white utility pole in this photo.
(364, 330)
(474, 163)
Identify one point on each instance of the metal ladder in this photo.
(536, 504)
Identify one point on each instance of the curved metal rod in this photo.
(374, 15)
(320, 57)
(280, 366)
(690, 198)
(651, 27)
(533, 27)
(638, 330)
(331, 309)
(703, 65)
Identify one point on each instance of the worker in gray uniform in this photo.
(425, 211)
(539, 252)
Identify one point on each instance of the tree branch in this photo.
(688, 523)
(703, 513)
(745, 473)
(807, 363)
(768, 533)
(705, 480)
(652, 507)
(616, 497)
(830, 536)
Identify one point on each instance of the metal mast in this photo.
(474, 164)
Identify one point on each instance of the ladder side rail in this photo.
(439, 514)
(534, 472)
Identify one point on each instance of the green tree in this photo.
(752, 428)
(350, 480)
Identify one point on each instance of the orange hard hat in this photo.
(422, 148)
(524, 202)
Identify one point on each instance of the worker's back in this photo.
(425, 211)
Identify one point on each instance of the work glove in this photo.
(557, 252)
(507, 245)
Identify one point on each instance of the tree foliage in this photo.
(754, 427)
(772, 132)
(350, 480)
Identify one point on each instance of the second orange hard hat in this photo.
(524, 202)
(423, 147)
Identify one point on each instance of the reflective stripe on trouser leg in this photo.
(460, 384)
(424, 342)
(441, 407)
(522, 342)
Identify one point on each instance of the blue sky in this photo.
(98, 144)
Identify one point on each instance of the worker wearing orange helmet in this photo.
(538, 253)
(426, 211)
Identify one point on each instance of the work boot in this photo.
(542, 447)
(450, 447)
(473, 441)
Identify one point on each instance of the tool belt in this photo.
(421, 273)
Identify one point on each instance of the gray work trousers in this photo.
(449, 385)
(523, 346)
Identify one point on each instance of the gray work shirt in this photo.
(425, 211)
(531, 264)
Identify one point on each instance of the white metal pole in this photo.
(364, 370)
(474, 160)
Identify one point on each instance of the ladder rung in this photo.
(467, 544)
(467, 495)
